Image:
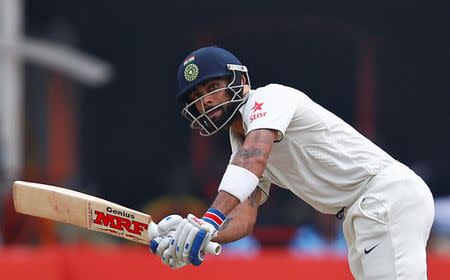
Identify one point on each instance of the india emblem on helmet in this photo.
(191, 72)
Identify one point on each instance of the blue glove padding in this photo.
(214, 219)
(154, 244)
(196, 256)
(191, 237)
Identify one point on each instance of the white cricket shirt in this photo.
(318, 156)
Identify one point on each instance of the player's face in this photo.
(209, 95)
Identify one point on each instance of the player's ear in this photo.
(246, 89)
(244, 80)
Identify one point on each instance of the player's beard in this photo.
(225, 116)
(216, 117)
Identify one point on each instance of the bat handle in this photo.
(153, 231)
(211, 248)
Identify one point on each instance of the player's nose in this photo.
(208, 99)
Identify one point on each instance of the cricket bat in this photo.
(90, 212)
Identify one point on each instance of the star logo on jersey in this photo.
(257, 106)
(256, 115)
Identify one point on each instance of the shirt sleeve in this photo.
(264, 186)
(270, 107)
(235, 143)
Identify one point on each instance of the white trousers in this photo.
(387, 228)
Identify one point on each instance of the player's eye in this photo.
(213, 86)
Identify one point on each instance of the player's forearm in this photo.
(240, 220)
(255, 151)
(225, 202)
(233, 230)
(237, 225)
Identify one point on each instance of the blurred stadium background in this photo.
(87, 102)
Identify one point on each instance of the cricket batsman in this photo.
(281, 136)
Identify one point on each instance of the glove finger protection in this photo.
(166, 227)
(169, 260)
(166, 257)
(188, 244)
(176, 265)
(206, 232)
(181, 241)
(173, 242)
(169, 223)
(154, 244)
(163, 245)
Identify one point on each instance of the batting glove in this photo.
(160, 244)
(193, 234)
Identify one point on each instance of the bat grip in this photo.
(211, 248)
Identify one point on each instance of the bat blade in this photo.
(79, 209)
(87, 211)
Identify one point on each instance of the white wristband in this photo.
(238, 182)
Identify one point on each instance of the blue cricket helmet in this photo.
(202, 65)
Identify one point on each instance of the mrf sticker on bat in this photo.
(116, 221)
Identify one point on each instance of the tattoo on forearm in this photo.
(226, 223)
(257, 144)
(252, 198)
(249, 153)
